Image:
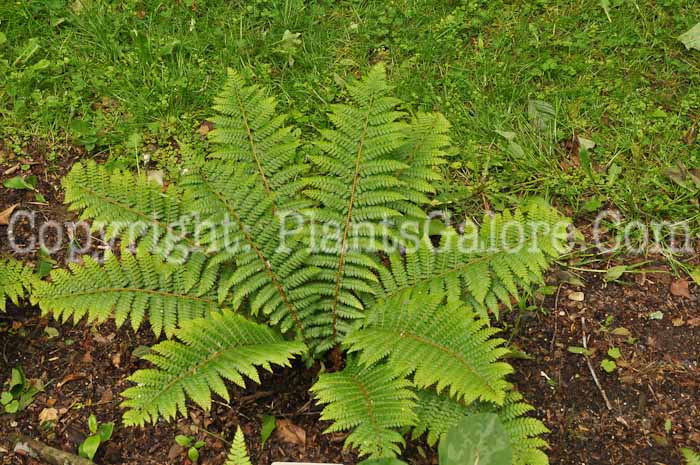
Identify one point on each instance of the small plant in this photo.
(691, 457)
(239, 452)
(192, 446)
(99, 434)
(609, 364)
(20, 392)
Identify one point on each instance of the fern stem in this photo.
(251, 139)
(268, 269)
(348, 219)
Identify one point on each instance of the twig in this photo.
(45, 453)
(556, 318)
(590, 365)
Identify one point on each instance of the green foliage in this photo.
(16, 281)
(224, 346)
(478, 438)
(129, 207)
(371, 401)
(239, 453)
(20, 392)
(99, 434)
(191, 445)
(440, 342)
(129, 288)
(485, 266)
(691, 457)
(437, 414)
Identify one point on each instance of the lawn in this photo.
(123, 77)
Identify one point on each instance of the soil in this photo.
(654, 391)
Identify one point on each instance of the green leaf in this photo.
(614, 353)
(92, 424)
(193, 454)
(89, 447)
(608, 365)
(199, 444)
(17, 378)
(477, 439)
(12, 407)
(18, 182)
(615, 272)
(691, 39)
(5, 398)
(105, 431)
(3, 38)
(579, 350)
(51, 332)
(268, 426)
(184, 441)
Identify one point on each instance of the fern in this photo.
(487, 266)
(439, 342)
(437, 414)
(225, 346)
(372, 401)
(239, 453)
(135, 288)
(129, 207)
(17, 281)
(691, 458)
(249, 131)
(245, 231)
(363, 180)
(419, 321)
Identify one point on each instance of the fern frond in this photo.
(271, 270)
(16, 281)
(211, 350)
(135, 288)
(239, 453)
(691, 458)
(424, 151)
(418, 332)
(357, 183)
(130, 207)
(372, 401)
(248, 130)
(437, 414)
(485, 266)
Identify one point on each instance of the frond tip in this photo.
(225, 346)
(16, 281)
(372, 401)
(439, 342)
(239, 453)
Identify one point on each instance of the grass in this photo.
(130, 77)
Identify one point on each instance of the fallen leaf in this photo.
(291, 433)
(107, 396)
(69, 378)
(620, 332)
(48, 414)
(678, 322)
(577, 296)
(694, 322)
(6, 214)
(205, 128)
(690, 136)
(679, 288)
(691, 39)
(117, 359)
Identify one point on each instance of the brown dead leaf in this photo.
(694, 322)
(107, 397)
(117, 359)
(679, 288)
(291, 433)
(48, 414)
(205, 128)
(70, 378)
(691, 136)
(6, 214)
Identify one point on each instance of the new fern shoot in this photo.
(310, 252)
